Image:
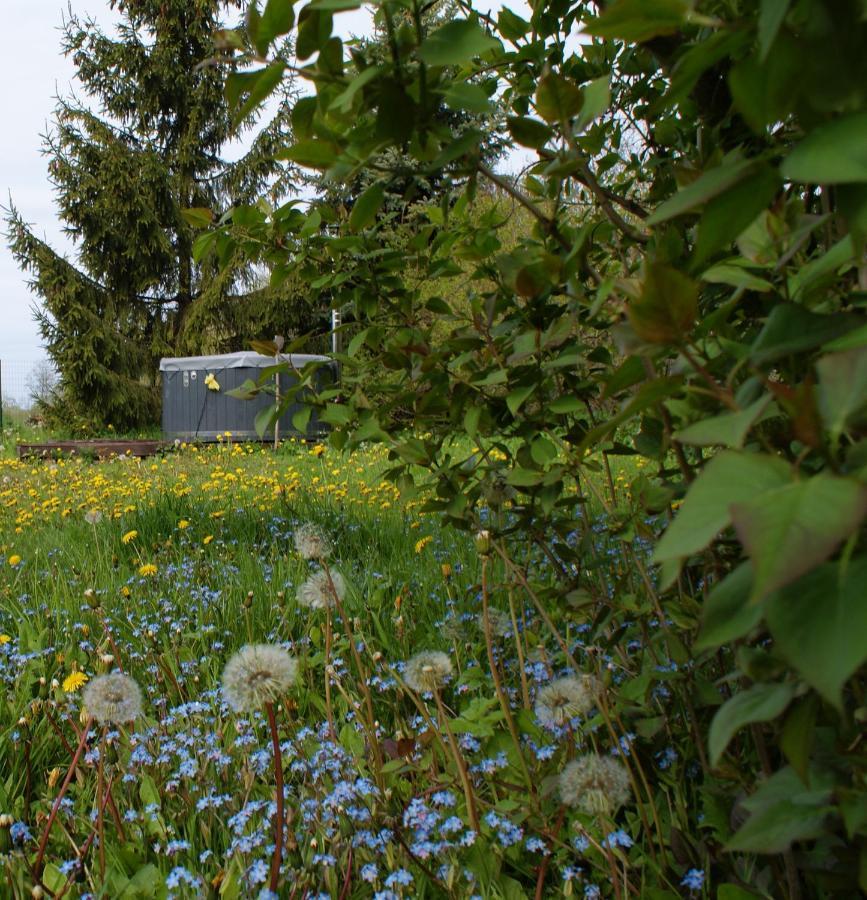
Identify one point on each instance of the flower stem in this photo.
(100, 805)
(277, 859)
(329, 710)
(469, 796)
(498, 687)
(43, 843)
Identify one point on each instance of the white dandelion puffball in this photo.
(318, 591)
(428, 671)
(595, 784)
(559, 701)
(113, 698)
(258, 674)
(311, 543)
(501, 622)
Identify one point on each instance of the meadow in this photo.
(404, 775)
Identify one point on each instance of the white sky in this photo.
(32, 73)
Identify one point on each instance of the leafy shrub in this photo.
(692, 293)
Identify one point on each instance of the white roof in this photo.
(244, 359)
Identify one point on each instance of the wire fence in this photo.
(22, 381)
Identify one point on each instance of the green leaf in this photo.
(564, 405)
(736, 276)
(343, 101)
(774, 830)
(197, 216)
(764, 93)
(53, 878)
(311, 224)
(471, 420)
(516, 398)
(301, 419)
(728, 478)
(335, 414)
(727, 614)
(366, 207)
(148, 792)
(277, 18)
(791, 328)
(597, 97)
(649, 394)
(839, 259)
(798, 733)
(335, 5)
(733, 892)
(790, 530)
(849, 341)
(842, 389)
(456, 43)
(819, 624)
(265, 420)
(203, 244)
(314, 30)
(729, 213)
(783, 812)
(311, 152)
(708, 185)
(666, 310)
(246, 91)
(462, 95)
(771, 15)
(557, 98)
(833, 153)
(726, 430)
(529, 132)
(638, 20)
(511, 25)
(760, 703)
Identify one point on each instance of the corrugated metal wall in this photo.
(193, 412)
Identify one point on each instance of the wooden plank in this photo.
(98, 448)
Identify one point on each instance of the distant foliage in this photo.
(693, 292)
(135, 157)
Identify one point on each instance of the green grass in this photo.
(216, 526)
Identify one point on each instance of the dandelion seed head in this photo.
(501, 622)
(258, 674)
(319, 590)
(562, 699)
(113, 698)
(595, 784)
(428, 671)
(311, 543)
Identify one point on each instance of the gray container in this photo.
(192, 411)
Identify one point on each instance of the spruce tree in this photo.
(140, 147)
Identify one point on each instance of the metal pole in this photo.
(336, 336)
(279, 341)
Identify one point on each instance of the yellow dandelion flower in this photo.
(183, 524)
(4, 638)
(129, 536)
(421, 544)
(147, 569)
(208, 538)
(14, 560)
(73, 682)
(125, 591)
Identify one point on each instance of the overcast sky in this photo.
(33, 72)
